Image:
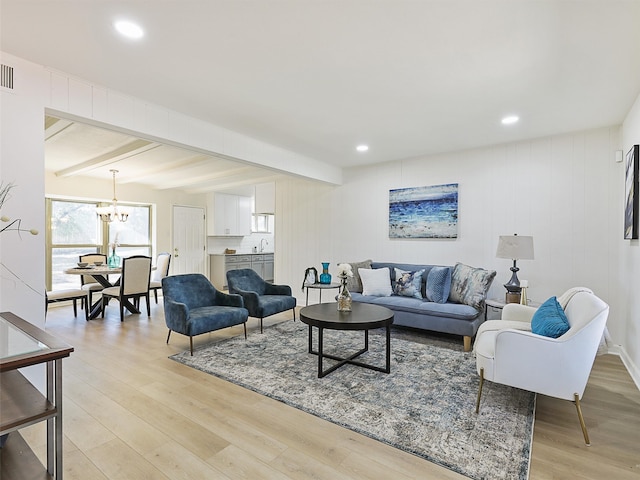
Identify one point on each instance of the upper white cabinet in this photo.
(265, 197)
(228, 215)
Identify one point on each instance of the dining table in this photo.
(101, 274)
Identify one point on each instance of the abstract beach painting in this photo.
(424, 212)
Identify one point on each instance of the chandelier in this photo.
(113, 212)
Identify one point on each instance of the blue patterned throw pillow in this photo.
(550, 320)
(438, 284)
(408, 283)
(470, 285)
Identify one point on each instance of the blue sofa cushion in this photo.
(550, 320)
(469, 285)
(438, 284)
(420, 307)
(408, 284)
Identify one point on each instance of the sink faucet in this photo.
(262, 246)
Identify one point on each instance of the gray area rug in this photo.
(425, 406)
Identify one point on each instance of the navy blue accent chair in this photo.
(193, 306)
(261, 298)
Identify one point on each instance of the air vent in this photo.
(6, 77)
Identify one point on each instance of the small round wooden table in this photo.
(362, 317)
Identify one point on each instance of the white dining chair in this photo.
(87, 282)
(70, 294)
(134, 284)
(161, 271)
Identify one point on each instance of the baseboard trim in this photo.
(632, 368)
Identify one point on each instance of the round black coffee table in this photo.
(362, 317)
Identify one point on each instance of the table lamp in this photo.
(516, 248)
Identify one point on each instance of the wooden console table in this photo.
(21, 404)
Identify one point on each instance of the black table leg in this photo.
(388, 370)
(350, 359)
(320, 354)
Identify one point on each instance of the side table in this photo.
(493, 308)
(320, 287)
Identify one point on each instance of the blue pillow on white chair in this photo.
(550, 320)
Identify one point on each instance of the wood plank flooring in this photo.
(130, 413)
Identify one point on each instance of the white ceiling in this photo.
(318, 77)
(73, 148)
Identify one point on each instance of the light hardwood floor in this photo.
(131, 413)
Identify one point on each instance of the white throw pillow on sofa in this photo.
(376, 281)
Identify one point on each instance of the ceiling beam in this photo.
(260, 176)
(128, 150)
(209, 178)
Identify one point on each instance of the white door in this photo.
(189, 240)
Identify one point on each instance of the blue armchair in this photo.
(193, 306)
(261, 299)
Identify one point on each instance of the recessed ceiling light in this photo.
(510, 120)
(362, 148)
(129, 29)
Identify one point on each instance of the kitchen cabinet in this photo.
(21, 404)
(262, 264)
(220, 264)
(228, 215)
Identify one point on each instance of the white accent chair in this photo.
(507, 352)
(161, 271)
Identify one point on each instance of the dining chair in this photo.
(134, 284)
(87, 282)
(161, 271)
(71, 294)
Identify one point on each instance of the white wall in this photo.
(629, 265)
(566, 191)
(22, 162)
(242, 244)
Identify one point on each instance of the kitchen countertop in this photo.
(240, 253)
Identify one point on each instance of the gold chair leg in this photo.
(582, 424)
(480, 389)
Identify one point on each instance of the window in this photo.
(74, 229)
(132, 237)
(261, 223)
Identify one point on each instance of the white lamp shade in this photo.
(515, 247)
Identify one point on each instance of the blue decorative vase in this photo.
(325, 276)
(114, 260)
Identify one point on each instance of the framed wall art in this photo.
(424, 212)
(631, 194)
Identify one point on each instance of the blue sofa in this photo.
(449, 317)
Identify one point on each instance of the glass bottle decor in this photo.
(114, 260)
(344, 298)
(325, 276)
